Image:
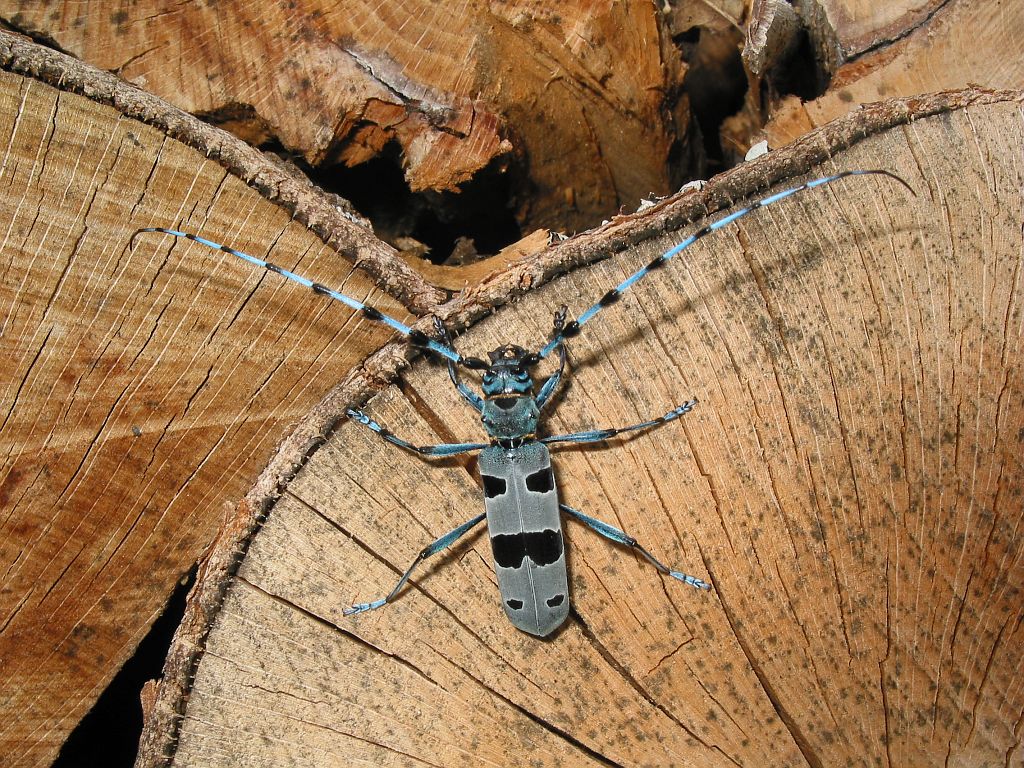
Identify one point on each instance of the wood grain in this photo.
(850, 483)
(580, 100)
(142, 389)
(927, 47)
(845, 29)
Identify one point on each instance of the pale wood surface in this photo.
(142, 390)
(579, 97)
(925, 49)
(128, 437)
(856, 26)
(850, 483)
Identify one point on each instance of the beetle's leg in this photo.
(468, 394)
(442, 449)
(548, 389)
(597, 435)
(445, 541)
(613, 533)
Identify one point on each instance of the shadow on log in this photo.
(850, 483)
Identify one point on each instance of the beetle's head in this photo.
(508, 374)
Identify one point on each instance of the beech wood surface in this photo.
(884, 50)
(143, 390)
(580, 96)
(850, 483)
(145, 393)
(860, 25)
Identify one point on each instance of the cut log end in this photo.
(849, 482)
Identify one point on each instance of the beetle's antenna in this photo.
(417, 338)
(572, 328)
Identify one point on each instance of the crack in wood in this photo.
(801, 741)
(635, 684)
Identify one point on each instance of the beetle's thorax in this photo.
(510, 409)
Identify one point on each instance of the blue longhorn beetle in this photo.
(520, 499)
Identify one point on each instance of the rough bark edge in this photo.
(219, 565)
(327, 216)
(739, 183)
(322, 213)
(164, 703)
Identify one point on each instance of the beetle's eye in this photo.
(522, 375)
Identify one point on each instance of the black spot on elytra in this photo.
(542, 547)
(508, 549)
(541, 481)
(493, 486)
(555, 601)
(514, 604)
